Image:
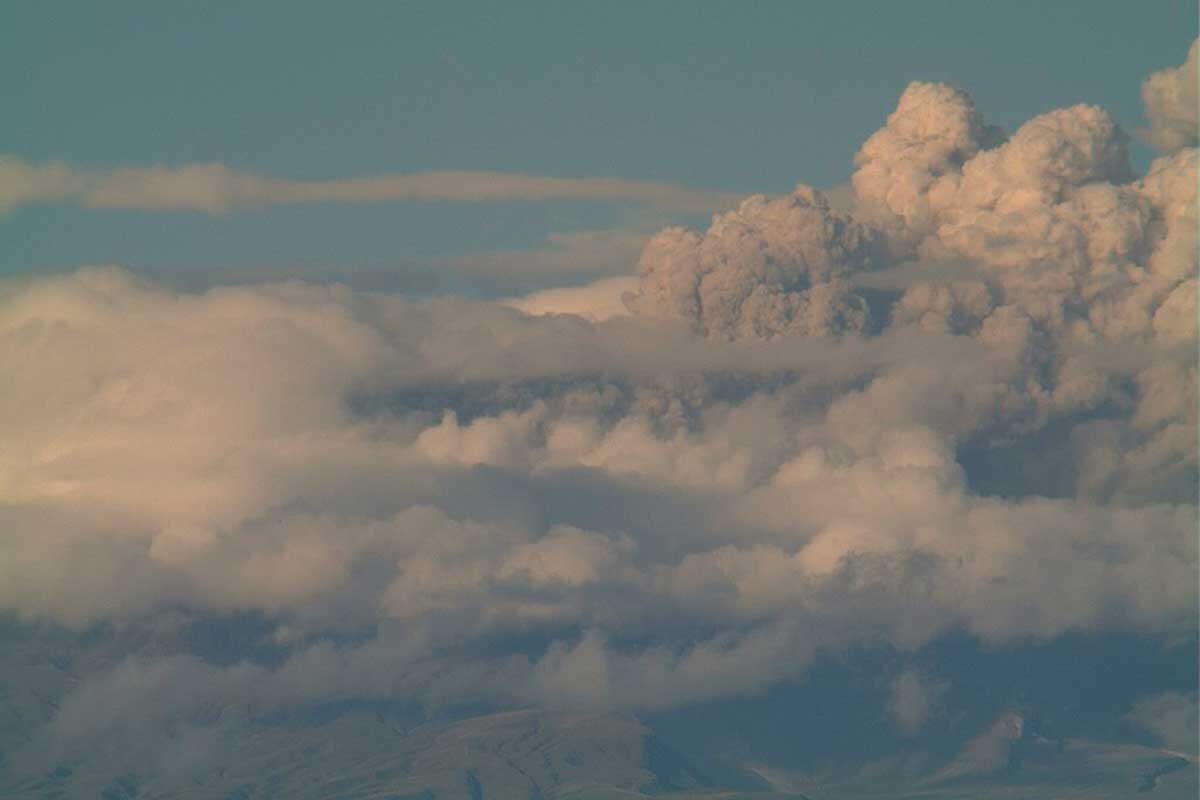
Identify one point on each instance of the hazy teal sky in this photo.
(743, 97)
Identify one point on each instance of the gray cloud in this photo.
(218, 189)
(1169, 97)
(450, 501)
(772, 267)
(913, 698)
(230, 470)
(989, 752)
(1172, 718)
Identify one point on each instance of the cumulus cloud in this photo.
(772, 267)
(546, 501)
(934, 130)
(283, 449)
(1169, 98)
(218, 189)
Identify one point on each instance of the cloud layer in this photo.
(456, 501)
(218, 189)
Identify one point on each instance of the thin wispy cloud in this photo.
(218, 189)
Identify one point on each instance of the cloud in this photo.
(1171, 718)
(772, 267)
(989, 752)
(273, 448)
(448, 501)
(564, 256)
(597, 301)
(913, 698)
(218, 189)
(934, 129)
(561, 261)
(1169, 98)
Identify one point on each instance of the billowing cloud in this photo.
(772, 267)
(934, 130)
(284, 449)
(545, 502)
(1170, 100)
(218, 189)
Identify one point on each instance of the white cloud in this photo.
(597, 301)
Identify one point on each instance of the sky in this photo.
(669, 92)
(813, 385)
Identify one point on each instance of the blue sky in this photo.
(667, 92)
